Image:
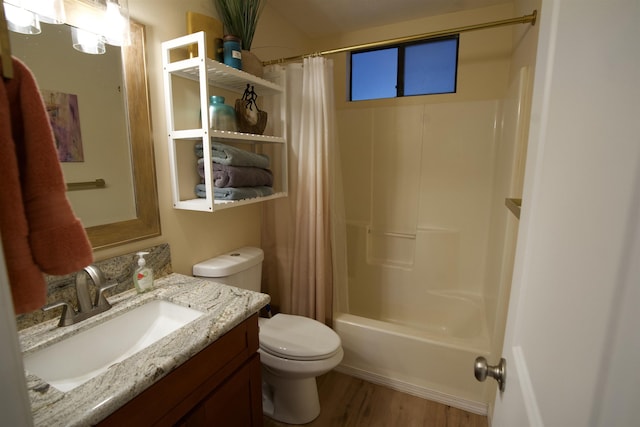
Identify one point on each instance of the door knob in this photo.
(482, 370)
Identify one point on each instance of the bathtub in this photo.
(432, 356)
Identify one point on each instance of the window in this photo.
(419, 68)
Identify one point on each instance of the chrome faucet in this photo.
(86, 308)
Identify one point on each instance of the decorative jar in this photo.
(221, 115)
(231, 46)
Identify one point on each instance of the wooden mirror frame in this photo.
(147, 222)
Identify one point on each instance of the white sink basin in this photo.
(75, 360)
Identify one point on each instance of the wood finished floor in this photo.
(346, 401)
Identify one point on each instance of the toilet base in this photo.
(289, 400)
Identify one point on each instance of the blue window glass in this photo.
(430, 67)
(419, 68)
(374, 74)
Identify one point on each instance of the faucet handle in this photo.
(68, 313)
(101, 300)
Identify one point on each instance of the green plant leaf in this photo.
(240, 18)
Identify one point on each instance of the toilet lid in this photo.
(297, 338)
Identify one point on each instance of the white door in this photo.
(573, 343)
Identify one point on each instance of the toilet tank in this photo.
(241, 268)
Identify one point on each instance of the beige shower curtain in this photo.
(301, 235)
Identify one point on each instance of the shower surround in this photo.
(429, 241)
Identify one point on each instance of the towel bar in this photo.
(86, 185)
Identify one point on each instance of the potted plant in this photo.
(240, 19)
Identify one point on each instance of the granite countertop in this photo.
(224, 306)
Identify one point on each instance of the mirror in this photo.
(140, 220)
(147, 222)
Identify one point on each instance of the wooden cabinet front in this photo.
(221, 385)
(236, 403)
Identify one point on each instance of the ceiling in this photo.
(320, 18)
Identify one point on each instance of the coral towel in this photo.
(40, 233)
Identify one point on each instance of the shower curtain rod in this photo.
(525, 19)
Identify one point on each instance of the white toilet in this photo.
(294, 350)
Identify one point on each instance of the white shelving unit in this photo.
(212, 76)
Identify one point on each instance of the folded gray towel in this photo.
(231, 193)
(228, 155)
(237, 176)
(198, 150)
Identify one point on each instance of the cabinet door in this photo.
(236, 403)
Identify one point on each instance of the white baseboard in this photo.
(425, 393)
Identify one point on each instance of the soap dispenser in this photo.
(143, 275)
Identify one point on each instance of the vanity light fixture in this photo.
(48, 11)
(87, 42)
(24, 16)
(20, 20)
(103, 22)
(116, 21)
(94, 23)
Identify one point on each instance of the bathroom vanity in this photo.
(218, 386)
(205, 373)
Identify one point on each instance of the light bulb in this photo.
(20, 20)
(116, 23)
(87, 42)
(48, 11)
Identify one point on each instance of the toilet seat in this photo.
(297, 338)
